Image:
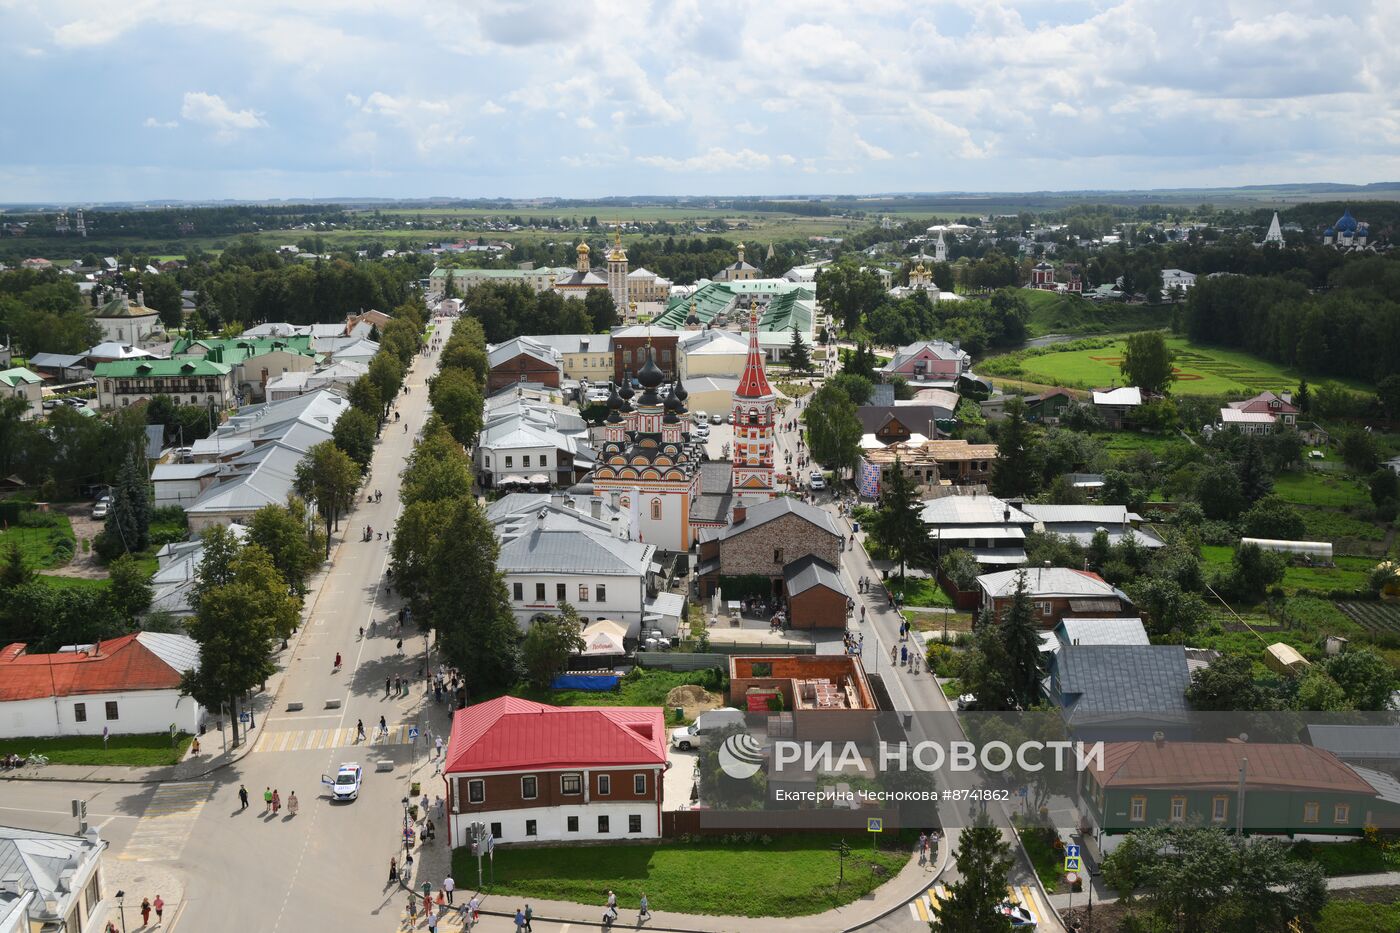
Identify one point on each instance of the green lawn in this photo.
(1313, 487)
(1122, 444)
(1049, 862)
(141, 751)
(42, 547)
(1199, 370)
(794, 389)
(1348, 858)
(792, 876)
(1341, 916)
(919, 591)
(1326, 525)
(649, 688)
(1349, 573)
(49, 579)
(1053, 313)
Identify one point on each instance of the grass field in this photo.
(1341, 916)
(1121, 444)
(1198, 370)
(42, 548)
(919, 591)
(647, 689)
(140, 751)
(1328, 525)
(792, 876)
(1052, 313)
(1313, 487)
(1347, 573)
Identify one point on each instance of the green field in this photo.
(1199, 370)
(41, 547)
(1053, 313)
(1347, 573)
(1313, 487)
(791, 876)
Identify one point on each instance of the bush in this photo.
(108, 546)
(941, 659)
(170, 515)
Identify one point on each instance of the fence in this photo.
(760, 647)
(680, 661)
(676, 823)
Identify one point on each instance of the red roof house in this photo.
(123, 685)
(530, 772)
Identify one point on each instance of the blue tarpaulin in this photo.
(596, 682)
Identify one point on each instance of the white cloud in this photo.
(491, 108)
(153, 123)
(714, 159)
(585, 122)
(212, 111)
(435, 126)
(870, 150)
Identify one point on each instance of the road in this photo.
(326, 867)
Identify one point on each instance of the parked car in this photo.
(99, 511)
(706, 725)
(967, 702)
(818, 482)
(51, 403)
(716, 419)
(346, 785)
(700, 417)
(729, 417)
(1019, 917)
(701, 430)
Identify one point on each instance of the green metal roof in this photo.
(710, 300)
(13, 377)
(234, 350)
(188, 366)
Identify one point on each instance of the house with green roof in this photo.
(463, 280)
(188, 380)
(21, 383)
(255, 361)
(124, 322)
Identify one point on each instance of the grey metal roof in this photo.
(574, 551)
(1128, 631)
(1046, 582)
(1357, 741)
(882, 395)
(971, 510)
(711, 507)
(776, 508)
(1385, 785)
(39, 859)
(56, 360)
(801, 575)
(1100, 682)
(1082, 533)
(1106, 515)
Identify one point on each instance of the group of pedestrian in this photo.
(374, 496)
(148, 905)
(272, 801)
(855, 644)
(610, 913)
(398, 682)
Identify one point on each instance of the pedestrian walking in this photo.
(159, 905)
(267, 800)
(359, 730)
(903, 654)
(432, 922)
(474, 908)
(413, 910)
(276, 802)
(645, 912)
(448, 886)
(386, 688)
(438, 745)
(441, 807)
(393, 870)
(894, 654)
(292, 803)
(242, 797)
(383, 727)
(519, 920)
(923, 848)
(145, 911)
(529, 916)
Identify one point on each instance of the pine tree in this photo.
(15, 572)
(984, 861)
(1021, 639)
(129, 521)
(897, 525)
(799, 357)
(1017, 470)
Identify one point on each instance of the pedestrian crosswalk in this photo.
(167, 821)
(925, 907)
(301, 740)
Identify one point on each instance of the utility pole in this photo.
(1239, 811)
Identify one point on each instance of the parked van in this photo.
(706, 725)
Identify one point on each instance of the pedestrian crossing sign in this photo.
(1072, 863)
(413, 732)
(875, 824)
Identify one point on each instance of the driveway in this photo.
(680, 778)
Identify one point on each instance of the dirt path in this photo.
(84, 563)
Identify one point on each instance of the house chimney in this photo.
(741, 512)
(539, 518)
(597, 506)
(1006, 513)
(1159, 739)
(13, 885)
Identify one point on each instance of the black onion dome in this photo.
(626, 391)
(671, 403)
(614, 416)
(650, 375)
(670, 418)
(681, 393)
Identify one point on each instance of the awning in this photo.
(539, 479)
(604, 637)
(512, 481)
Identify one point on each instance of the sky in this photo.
(200, 99)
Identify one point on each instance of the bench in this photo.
(295, 706)
(332, 704)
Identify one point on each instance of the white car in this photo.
(346, 785)
(818, 483)
(1019, 917)
(700, 417)
(716, 419)
(99, 511)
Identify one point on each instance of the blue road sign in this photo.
(413, 732)
(242, 717)
(1072, 864)
(875, 824)
(1071, 851)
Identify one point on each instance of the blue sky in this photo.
(153, 99)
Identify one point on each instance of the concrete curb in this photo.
(1057, 923)
(945, 851)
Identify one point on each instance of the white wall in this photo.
(137, 711)
(494, 462)
(181, 492)
(551, 822)
(624, 603)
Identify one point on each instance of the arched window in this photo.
(753, 416)
(656, 510)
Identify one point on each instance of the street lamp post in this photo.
(405, 828)
(121, 908)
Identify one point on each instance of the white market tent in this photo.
(603, 637)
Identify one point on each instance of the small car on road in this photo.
(346, 785)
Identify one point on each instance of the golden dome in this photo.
(583, 248)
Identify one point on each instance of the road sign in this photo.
(1072, 863)
(1023, 791)
(875, 824)
(1072, 851)
(242, 717)
(413, 732)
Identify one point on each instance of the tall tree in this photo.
(1022, 640)
(354, 433)
(129, 519)
(470, 610)
(548, 645)
(972, 905)
(602, 310)
(220, 547)
(799, 356)
(456, 399)
(1147, 362)
(833, 429)
(129, 590)
(327, 477)
(282, 531)
(364, 397)
(1017, 469)
(848, 293)
(897, 525)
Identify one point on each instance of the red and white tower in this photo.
(754, 411)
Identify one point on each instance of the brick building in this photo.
(1056, 593)
(523, 360)
(764, 540)
(816, 598)
(629, 347)
(538, 773)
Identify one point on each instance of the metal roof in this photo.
(574, 551)
(776, 508)
(972, 510)
(1046, 582)
(1357, 741)
(1103, 682)
(1126, 631)
(801, 575)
